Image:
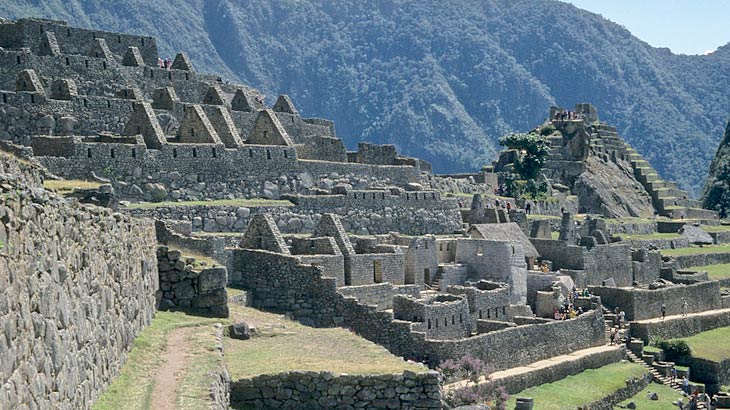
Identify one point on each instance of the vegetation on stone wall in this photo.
(533, 150)
(441, 80)
(471, 370)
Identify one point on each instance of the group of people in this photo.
(565, 115)
(568, 310)
(166, 64)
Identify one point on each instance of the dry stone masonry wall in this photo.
(77, 283)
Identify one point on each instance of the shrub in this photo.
(548, 130)
(675, 350)
(471, 369)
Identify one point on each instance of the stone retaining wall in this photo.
(77, 284)
(312, 390)
(220, 379)
(185, 284)
(642, 304)
(685, 261)
(516, 383)
(682, 326)
(406, 220)
(633, 387)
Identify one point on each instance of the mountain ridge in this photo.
(441, 81)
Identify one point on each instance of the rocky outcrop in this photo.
(716, 195)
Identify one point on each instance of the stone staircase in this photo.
(667, 198)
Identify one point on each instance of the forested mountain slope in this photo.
(441, 80)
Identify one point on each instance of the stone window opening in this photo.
(489, 313)
(496, 312)
(437, 323)
(250, 153)
(134, 153)
(441, 247)
(429, 323)
(461, 318)
(88, 152)
(152, 73)
(446, 322)
(292, 119)
(286, 154)
(68, 62)
(41, 27)
(68, 32)
(86, 103)
(504, 310)
(174, 152)
(103, 65)
(192, 132)
(112, 152)
(382, 195)
(169, 75)
(108, 104)
(453, 319)
(187, 77)
(266, 134)
(195, 152)
(480, 313)
(268, 154)
(142, 42)
(86, 63)
(214, 153)
(433, 195)
(119, 39)
(17, 59)
(32, 98)
(5, 98)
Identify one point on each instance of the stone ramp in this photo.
(549, 370)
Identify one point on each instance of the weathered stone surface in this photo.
(240, 331)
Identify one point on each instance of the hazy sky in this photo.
(685, 26)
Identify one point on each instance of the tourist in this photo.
(614, 332)
(527, 208)
(685, 307)
(586, 293)
(621, 318)
(509, 206)
(673, 373)
(685, 384)
(664, 310)
(562, 211)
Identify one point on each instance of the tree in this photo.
(533, 150)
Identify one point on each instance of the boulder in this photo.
(695, 235)
(157, 192)
(653, 396)
(240, 331)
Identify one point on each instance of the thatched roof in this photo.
(509, 232)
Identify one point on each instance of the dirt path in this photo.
(169, 374)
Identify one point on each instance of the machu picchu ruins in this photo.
(168, 231)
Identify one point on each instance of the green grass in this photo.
(217, 202)
(666, 394)
(631, 220)
(652, 236)
(581, 389)
(201, 261)
(67, 186)
(711, 345)
(697, 250)
(193, 389)
(541, 217)
(651, 349)
(132, 389)
(714, 272)
(555, 235)
(716, 228)
(283, 345)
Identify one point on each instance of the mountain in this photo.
(441, 80)
(716, 195)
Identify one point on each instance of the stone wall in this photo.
(409, 390)
(518, 382)
(77, 284)
(640, 304)
(686, 261)
(187, 284)
(379, 294)
(599, 263)
(406, 220)
(632, 388)
(220, 379)
(278, 283)
(680, 326)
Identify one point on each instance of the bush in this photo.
(548, 130)
(471, 369)
(675, 350)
